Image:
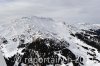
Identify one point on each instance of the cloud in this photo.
(65, 10)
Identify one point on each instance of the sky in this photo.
(70, 11)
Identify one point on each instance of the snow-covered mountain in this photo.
(39, 41)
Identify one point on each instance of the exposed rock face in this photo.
(50, 51)
(90, 37)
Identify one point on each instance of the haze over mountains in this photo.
(71, 11)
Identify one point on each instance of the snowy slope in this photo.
(79, 42)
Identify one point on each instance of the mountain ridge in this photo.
(21, 33)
